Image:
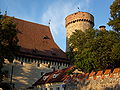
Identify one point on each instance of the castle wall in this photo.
(26, 72)
(109, 80)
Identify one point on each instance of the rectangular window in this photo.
(57, 88)
(45, 88)
(41, 89)
(51, 88)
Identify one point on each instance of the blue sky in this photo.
(41, 11)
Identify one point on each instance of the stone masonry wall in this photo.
(24, 75)
(79, 21)
(106, 80)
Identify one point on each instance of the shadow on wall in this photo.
(52, 53)
(5, 86)
(116, 87)
(83, 85)
(25, 75)
(26, 72)
(77, 85)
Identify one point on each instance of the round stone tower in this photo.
(77, 21)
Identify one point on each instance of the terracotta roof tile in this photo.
(107, 71)
(99, 73)
(116, 70)
(86, 74)
(91, 74)
(60, 78)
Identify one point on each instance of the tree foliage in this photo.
(8, 39)
(94, 49)
(115, 15)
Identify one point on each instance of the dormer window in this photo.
(55, 75)
(45, 77)
(45, 37)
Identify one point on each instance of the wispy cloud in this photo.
(57, 12)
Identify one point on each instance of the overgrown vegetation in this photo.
(8, 40)
(94, 50)
(115, 15)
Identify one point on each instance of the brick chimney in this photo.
(102, 28)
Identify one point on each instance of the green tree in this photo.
(8, 39)
(94, 49)
(115, 15)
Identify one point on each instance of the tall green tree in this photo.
(8, 39)
(94, 50)
(115, 15)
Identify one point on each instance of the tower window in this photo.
(73, 21)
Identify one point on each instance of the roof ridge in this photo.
(28, 21)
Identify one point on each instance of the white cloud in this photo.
(57, 12)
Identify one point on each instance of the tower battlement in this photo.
(79, 16)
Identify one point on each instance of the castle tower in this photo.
(77, 21)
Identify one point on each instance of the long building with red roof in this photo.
(39, 54)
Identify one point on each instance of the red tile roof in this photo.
(86, 74)
(37, 38)
(99, 73)
(61, 77)
(91, 74)
(107, 71)
(116, 70)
